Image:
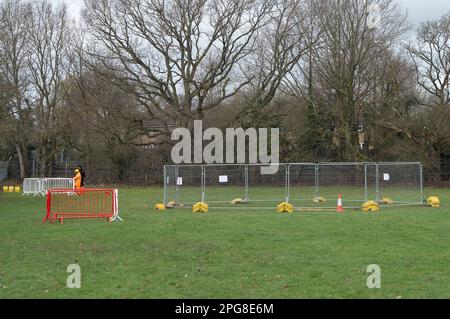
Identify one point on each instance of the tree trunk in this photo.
(22, 164)
(43, 161)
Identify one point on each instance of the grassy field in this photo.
(229, 253)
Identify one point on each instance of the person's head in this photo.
(77, 170)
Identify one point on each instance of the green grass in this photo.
(226, 253)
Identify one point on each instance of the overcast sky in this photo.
(418, 10)
(423, 10)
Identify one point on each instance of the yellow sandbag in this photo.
(285, 208)
(236, 201)
(433, 201)
(200, 207)
(319, 199)
(160, 206)
(387, 201)
(370, 206)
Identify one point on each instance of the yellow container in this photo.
(5, 189)
(160, 206)
(17, 189)
(11, 189)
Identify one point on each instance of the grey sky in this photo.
(73, 5)
(418, 10)
(424, 10)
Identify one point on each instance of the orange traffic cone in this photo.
(339, 208)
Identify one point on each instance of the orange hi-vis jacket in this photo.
(77, 180)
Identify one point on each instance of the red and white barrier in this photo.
(87, 203)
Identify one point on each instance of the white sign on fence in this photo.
(386, 177)
(180, 181)
(223, 179)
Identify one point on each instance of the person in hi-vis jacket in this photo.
(77, 179)
(83, 175)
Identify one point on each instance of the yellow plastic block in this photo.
(433, 201)
(387, 201)
(285, 208)
(280, 208)
(160, 206)
(196, 208)
(370, 206)
(319, 200)
(11, 189)
(200, 207)
(289, 208)
(236, 201)
(17, 189)
(5, 189)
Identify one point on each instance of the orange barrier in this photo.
(84, 203)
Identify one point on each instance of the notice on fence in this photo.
(223, 179)
(386, 177)
(180, 181)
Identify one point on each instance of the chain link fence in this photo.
(3, 170)
(302, 184)
(149, 171)
(132, 174)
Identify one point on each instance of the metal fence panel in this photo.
(183, 183)
(32, 186)
(401, 182)
(223, 183)
(3, 170)
(298, 183)
(350, 180)
(303, 186)
(267, 189)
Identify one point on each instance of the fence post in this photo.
(365, 182)
(177, 185)
(165, 186)
(246, 183)
(377, 182)
(422, 199)
(316, 180)
(203, 183)
(287, 184)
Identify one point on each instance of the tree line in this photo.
(344, 80)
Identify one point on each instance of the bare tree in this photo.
(431, 55)
(348, 62)
(180, 57)
(49, 38)
(15, 22)
(280, 45)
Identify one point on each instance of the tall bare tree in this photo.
(356, 36)
(49, 38)
(280, 45)
(15, 26)
(431, 55)
(180, 57)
